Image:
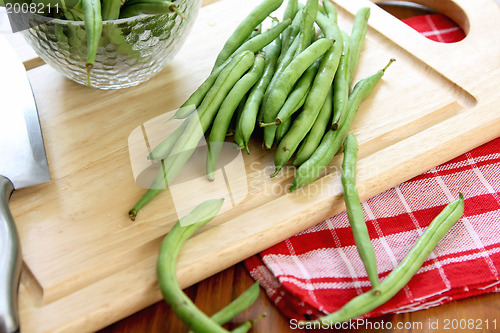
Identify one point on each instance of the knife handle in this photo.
(10, 262)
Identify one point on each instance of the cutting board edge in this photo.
(491, 127)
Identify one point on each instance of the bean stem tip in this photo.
(276, 172)
(174, 9)
(277, 122)
(132, 214)
(387, 66)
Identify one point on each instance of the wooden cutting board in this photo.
(86, 264)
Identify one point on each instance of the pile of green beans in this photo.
(173, 295)
(293, 91)
(94, 12)
(290, 84)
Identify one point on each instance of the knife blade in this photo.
(23, 163)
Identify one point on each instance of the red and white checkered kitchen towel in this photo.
(319, 270)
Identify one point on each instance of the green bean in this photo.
(256, 31)
(110, 9)
(283, 61)
(288, 38)
(244, 301)
(66, 6)
(197, 126)
(403, 273)
(291, 10)
(288, 52)
(317, 131)
(74, 14)
(254, 45)
(150, 7)
(166, 270)
(245, 28)
(297, 97)
(357, 38)
(331, 142)
(355, 211)
(246, 125)
(287, 80)
(238, 139)
(305, 37)
(162, 150)
(225, 113)
(166, 267)
(282, 129)
(247, 325)
(93, 28)
(314, 101)
(330, 11)
(341, 83)
(258, 42)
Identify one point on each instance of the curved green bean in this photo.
(93, 28)
(166, 267)
(358, 34)
(403, 273)
(225, 113)
(245, 28)
(166, 270)
(331, 142)
(341, 83)
(355, 211)
(254, 45)
(196, 127)
(313, 138)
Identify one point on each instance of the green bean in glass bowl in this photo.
(130, 50)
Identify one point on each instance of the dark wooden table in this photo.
(217, 291)
(481, 313)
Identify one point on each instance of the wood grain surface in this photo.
(87, 265)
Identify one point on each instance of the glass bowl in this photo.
(130, 51)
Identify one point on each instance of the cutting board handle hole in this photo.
(454, 17)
